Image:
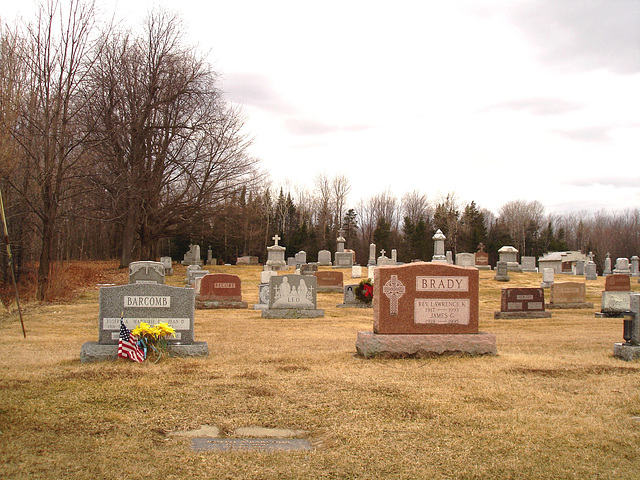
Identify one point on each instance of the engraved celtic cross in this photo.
(393, 289)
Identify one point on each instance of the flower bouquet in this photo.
(153, 340)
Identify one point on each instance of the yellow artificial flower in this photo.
(164, 330)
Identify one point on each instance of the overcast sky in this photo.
(495, 100)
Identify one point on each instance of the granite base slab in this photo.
(292, 313)
(521, 315)
(626, 352)
(215, 304)
(609, 315)
(569, 306)
(370, 345)
(96, 352)
(355, 305)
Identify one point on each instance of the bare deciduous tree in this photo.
(59, 50)
(171, 148)
(523, 220)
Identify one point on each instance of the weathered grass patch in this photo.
(553, 403)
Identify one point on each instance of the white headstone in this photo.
(466, 259)
(438, 247)
(372, 254)
(324, 258)
(548, 277)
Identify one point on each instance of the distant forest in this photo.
(119, 144)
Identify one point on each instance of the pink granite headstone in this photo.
(425, 298)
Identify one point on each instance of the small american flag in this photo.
(127, 346)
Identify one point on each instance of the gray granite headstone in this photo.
(263, 297)
(350, 299)
(168, 265)
(308, 268)
(548, 277)
(275, 256)
(292, 296)
(607, 265)
(146, 302)
(465, 259)
(622, 266)
(502, 272)
(195, 275)
(293, 291)
(590, 271)
(146, 272)
(370, 271)
(438, 247)
(266, 275)
(344, 260)
(192, 257)
(529, 264)
(301, 257)
(324, 258)
(372, 254)
(635, 266)
(350, 293)
(356, 271)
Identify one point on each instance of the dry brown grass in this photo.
(554, 403)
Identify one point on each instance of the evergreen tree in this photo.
(382, 235)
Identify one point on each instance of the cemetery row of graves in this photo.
(290, 370)
(418, 309)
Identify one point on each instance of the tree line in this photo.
(118, 143)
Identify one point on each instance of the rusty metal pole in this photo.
(13, 276)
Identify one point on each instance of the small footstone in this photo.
(249, 444)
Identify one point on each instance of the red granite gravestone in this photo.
(220, 290)
(329, 281)
(617, 282)
(220, 286)
(482, 258)
(425, 309)
(425, 298)
(522, 300)
(522, 303)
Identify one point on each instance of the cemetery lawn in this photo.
(554, 402)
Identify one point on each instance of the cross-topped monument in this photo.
(393, 289)
(275, 256)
